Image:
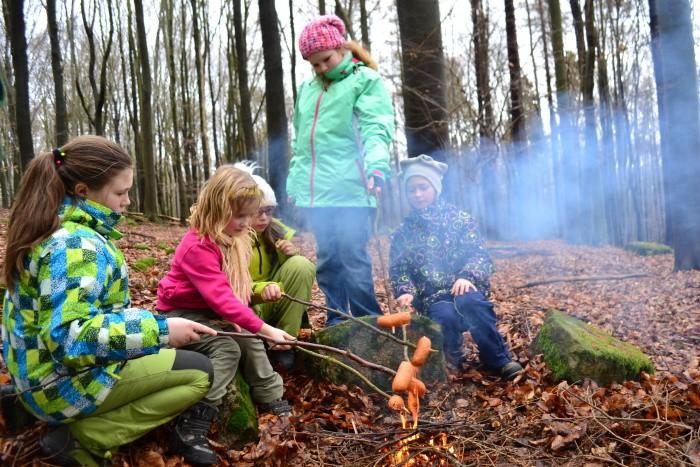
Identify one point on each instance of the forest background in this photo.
(574, 119)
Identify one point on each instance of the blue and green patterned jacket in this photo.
(67, 326)
(433, 248)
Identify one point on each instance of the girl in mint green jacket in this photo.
(344, 125)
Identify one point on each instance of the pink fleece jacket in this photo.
(196, 281)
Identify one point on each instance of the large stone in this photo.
(574, 350)
(375, 348)
(238, 415)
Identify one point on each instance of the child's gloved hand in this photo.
(287, 247)
(271, 293)
(462, 286)
(277, 335)
(405, 300)
(374, 185)
(183, 331)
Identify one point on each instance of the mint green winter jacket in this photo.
(342, 137)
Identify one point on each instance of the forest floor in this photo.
(475, 418)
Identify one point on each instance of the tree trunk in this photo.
(274, 101)
(199, 57)
(172, 94)
(487, 148)
(568, 193)
(423, 91)
(321, 7)
(99, 90)
(243, 89)
(18, 42)
(364, 27)
(675, 74)
(150, 204)
(293, 57)
(61, 119)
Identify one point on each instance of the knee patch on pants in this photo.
(188, 360)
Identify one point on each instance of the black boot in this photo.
(190, 434)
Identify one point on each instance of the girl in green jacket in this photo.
(79, 356)
(344, 125)
(275, 267)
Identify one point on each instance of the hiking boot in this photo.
(279, 407)
(282, 359)
(16, 417)
(58, 447)
(189, 437)
(510, 370)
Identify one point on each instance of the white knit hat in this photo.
(424, 166)
(268, 198)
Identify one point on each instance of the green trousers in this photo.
(296, 276)
(228, 354)
(148, 394)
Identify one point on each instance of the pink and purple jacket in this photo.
(196, 281)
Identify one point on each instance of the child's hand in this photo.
(374, 185)
(287, 247)
(276, 334)
(183, 331)
(462, 286)
(405, 300)
(271, 293)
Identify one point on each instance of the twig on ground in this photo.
(581, 279)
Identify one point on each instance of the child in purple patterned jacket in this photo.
(439, 265)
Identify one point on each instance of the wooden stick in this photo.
(346, 315)
(312, 345)
(581, 279)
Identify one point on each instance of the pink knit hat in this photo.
(326, 32)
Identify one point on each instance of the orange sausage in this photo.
(422, 351)
(413, 406)
(396, 403)
(394, 320)
(417, 387)
(403, 377)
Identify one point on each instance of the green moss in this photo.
(239, 415)
(165, 247)
(374, 347)
(648, 248)
(141, 246)
(143, 264)
(574, 350)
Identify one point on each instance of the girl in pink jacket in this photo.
(209, 282)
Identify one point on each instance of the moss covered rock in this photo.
(574, 350)
(375, 348)
(648, 248)
(239, 417)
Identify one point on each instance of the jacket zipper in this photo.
(257, 245)
(313, 150)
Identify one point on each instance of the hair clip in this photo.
(58, 157)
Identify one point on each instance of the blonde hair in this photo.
(229, 192)
(359, 53)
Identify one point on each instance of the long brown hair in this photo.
(230, 191)
(92, 160)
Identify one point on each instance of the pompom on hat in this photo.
(268, 198)
(326, 32)
(424, 166)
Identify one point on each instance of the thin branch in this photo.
(582, 279)
(349, 316)
(312, 345)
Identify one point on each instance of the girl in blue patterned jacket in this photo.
(80, 358)
(439, 265)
